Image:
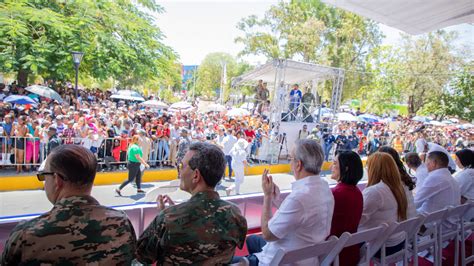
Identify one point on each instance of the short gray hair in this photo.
(310, 153)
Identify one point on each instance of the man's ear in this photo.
(58, 181)
(299, 166)
(197, 176)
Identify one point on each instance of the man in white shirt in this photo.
(227, 145)
(303, 218)
(421, 145)
(414, 162)
(174, 140)
(439, 190)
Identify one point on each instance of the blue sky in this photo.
(196, 28)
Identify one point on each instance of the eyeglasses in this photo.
(42, 175)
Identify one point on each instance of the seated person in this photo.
(78, 230)
(205, 229)
(439, 190)
(347, 170)
(414, 163)
(465, 178)
(303, 218)
(384, 199)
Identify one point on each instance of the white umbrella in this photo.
(421, 119)
(181, 106)
(436, 123)
(45, 92)
(324, 112)
(238, 112)
(214, 107)
(154, 104)
(128, 95)
(347, 117)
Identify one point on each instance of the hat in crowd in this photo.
(242, 143)
(125, 132)
(184, 130)
(52, 128)
(71, 122)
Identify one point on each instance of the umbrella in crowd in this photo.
(19, 99)
(421, 119)
(128, 95)
(181, 106)
(370, 118)
(325, 112)
(214, 107)
(347, 117)
(154, 104)
(45, 92)
(238, 112)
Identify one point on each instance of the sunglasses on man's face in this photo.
(42, 175)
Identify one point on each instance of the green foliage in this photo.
(119, 39)
(210, 72)
(458, 100)
(426, 60)
(313, 32)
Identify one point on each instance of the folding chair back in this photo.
(319, 251)
(409, 228)
(429, 238)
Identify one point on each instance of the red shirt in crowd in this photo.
(249, 135)
(348, 205)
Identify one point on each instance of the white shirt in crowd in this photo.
(303, 219)
(439, 190)
(380, 206)
(228, 143)
(175, 133)
(421, 173)
(465, 179)
(420, 147)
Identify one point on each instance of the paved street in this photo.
(35, 201)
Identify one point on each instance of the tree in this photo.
(457, 100)
(311, 31)
(428, 61)
(119, 38)
(210, 72)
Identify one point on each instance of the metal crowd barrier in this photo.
(111, 152)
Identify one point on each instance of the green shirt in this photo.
(205, 230)
(133, 150)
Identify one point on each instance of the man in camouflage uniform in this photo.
(204, 230)
(78, 230)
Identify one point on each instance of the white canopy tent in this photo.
(280, 74)
(411, 16)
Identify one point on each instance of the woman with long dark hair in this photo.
(347, 170)
(465, 161)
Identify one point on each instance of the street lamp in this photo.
(76, 59)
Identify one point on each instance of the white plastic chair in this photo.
(410, 228)
(467, 227)
(454, 217)
(151, 195)
(370, 239)
(320, 251)
(429, 239)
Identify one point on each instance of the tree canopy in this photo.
(119, 38)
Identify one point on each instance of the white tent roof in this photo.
(294, 72)
(412, 16)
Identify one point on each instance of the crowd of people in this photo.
(207, 229)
